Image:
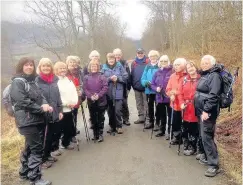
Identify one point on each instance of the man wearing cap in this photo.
(137, 69)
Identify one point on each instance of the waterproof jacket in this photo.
(51, 92)
(127, 85)
(147, 77)
(210, 83)
(115, 90)
(27, 105)
(186, 95)
(136, 74)
(174, 84)
(68, 93)
(96, 83)
(160, 79)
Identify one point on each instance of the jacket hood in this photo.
(29, 78)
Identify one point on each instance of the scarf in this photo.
(47, 78)
(140, 60)
(75, 72)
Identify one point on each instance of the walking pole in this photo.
(85, 124)
(74, 123)
(172, 112)
(46, 129)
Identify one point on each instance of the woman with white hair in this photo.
(206, 99)
(172, 90)
(146, 80)
(47, 82)
(93, 55)
(159, 84)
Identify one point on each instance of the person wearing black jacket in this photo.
(206, 102)
(29, 107)
(127, 86)
(47, 82)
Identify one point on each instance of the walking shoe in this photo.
(139, 121)
(56, 153)
(167, 137)
(174, 141)
(69, 147)
(212, 172)
(189, 152)
(119, 131)
(160, 134)
(23, 178)
(198, 156)
(149, 126)
(203, 160)
(100, 139)
(52, 159)
(127, 123)
(46, 165)
(40, 182)
(156, 128)
(74, 140)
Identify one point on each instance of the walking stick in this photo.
(171, 121)
(46, 129)
(85, 123)
(74, 123)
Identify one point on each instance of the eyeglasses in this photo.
(164, 61)
(140, 53)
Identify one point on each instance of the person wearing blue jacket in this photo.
(117, 77)
(137, 68)
(146, 80)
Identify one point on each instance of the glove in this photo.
(148, 84)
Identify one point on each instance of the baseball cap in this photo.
(140, 50)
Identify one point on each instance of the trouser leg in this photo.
(67, 125)
(23, 171)
(125, 110)
(151, 102)
(193, 135)
(185, 132)
(200, 147)
(118, 113)
(75, 120)
(207, 133)
(57, 136)
(94, 119)
(111, 115)
(176, 125)
(101, 119)
(169, 115)
(49, 141)
(140, 104)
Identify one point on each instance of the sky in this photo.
(131, 12)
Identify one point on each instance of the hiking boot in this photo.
(139, 121)
(40, 182)
(119, 131)
(189, 152)
(160, 134)
(46, 165)
(174, 141)
(149, 126)
(74, 140)
(101, 138)
(156, 128)
(56, 153)
(127, 123)
(52, 159)
(212, 172)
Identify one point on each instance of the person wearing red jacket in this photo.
(172, 90)
(186, 94)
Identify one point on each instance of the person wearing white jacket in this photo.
(69, 97)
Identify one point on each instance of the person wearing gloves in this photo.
(117, 76)
(95, 88)
(146, 80)
(172, 90)
(47, 82)
(30, 107)
(159, 84)
(187, 91)
(127, 86)
(69, 97)
(137, 68)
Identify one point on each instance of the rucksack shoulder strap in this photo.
(26, 84)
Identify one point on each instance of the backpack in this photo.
(6, 99)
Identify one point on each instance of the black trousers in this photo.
(67, 124)
(48, 138)
(207, 133)
(151, 103)
(115, 114)
(56, 136)
(190, 135)
(31, 156)
(176, 124)
(97, 114)
(125, 110)
(162, 111)
(75, 118)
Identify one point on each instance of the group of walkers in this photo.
(170, 98)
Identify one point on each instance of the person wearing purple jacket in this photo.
(95, 88)
(159, 83)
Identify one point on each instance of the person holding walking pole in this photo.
(95, 88)
(172, 90)
(159, 84)
(187, 91)
(29, 108)
(117, 76)
(69, 97)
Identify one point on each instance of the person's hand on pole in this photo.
(158, 89)
(183, 106)
(45, 107)
(204, 116)
(172, 98)
(60, 116)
